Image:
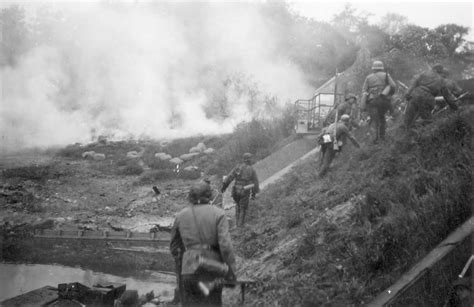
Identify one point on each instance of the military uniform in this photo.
(205, 230)
(421, 96)
(346, 107)
(377, 103)
(341, 132)
(244, 175)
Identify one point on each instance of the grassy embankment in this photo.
(342, 239)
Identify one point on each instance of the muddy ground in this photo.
(44, 188)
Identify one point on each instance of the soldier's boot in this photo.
(237, 215)
(243, 213)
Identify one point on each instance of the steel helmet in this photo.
(345, 117)
(377, 65)
(247, 157)
(200, 193)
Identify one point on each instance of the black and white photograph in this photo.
(236, 153)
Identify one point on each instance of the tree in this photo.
(451, 36)
(413, 39)
(14, 34)
(393, 24)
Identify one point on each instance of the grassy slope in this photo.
(342, 239)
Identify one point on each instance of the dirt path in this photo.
(273, 167)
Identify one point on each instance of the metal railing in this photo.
(310, 113)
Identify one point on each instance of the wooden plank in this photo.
(113, 235)
(39, 297)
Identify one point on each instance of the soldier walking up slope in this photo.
(378, 87)
(332, 139)
(245, 186)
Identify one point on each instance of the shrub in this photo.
(156, 163)
(28, 172)
(131, 168)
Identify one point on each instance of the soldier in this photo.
(245, 186)
(332, 139)
(346, 107)
(201, 228)
(422, 92)
(378, 88)
(452, 86)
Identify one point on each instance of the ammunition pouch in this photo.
(239, 191)
(200, 261)
(324, 139)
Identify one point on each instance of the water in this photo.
(16, 279)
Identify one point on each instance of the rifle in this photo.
(335, 145)
(207, 287)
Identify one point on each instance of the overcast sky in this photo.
(422, 13)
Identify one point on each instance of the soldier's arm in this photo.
(228, 179)
(365, 87)
(256, 187)
(351, 137)
(414, 84)
(449, 97)
(392, 83)
(176, 243)
(224, 240)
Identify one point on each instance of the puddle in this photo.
(17, 279)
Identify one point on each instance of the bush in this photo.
(156, 163)
(131, 168)
(28, 172)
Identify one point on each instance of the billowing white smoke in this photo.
(141, 71)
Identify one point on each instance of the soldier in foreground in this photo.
(378, 88)
(245, 186)
(201, 234)
(422, 92)
(332, 139)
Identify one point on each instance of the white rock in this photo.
(176, 161)
(163, 156)
(209, 151)
(194, 149)
(189, 156)
(191, 168)
(99, 156)
(200, 147)
(88, 154)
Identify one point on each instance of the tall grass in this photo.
(403, 199)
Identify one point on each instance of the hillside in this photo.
(342, 239)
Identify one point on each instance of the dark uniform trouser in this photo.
(328, 154)
(241, 198)
(378, 107)
(420, 105)
(192, 296)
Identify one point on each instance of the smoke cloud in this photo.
(142, 71)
